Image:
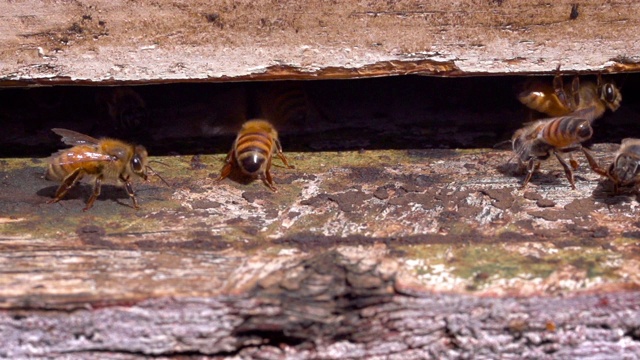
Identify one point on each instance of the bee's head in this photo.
(139, 161)
(611, 95)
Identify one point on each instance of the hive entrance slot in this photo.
(404, 112)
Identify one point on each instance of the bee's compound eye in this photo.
(609, 93)
(136, 164)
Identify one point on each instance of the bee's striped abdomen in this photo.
(67, 161)
(253, 149)
(565, 131)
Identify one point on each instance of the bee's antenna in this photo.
(501, 144)
(153, 172)
(156, 161)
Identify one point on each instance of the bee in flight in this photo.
(540, 139)
(252, 151)
(103, 160)
(127, 110)
(286, 103)
(625, 168)
(561, 100)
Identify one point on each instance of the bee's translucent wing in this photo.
(73, 138)
(67, 156)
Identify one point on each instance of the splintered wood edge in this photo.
(282, 72)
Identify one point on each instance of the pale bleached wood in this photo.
(154, 41)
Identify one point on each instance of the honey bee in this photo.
(540, 139)
(253, 150)
(625, 168)
(126, 108)
(560, 100)
(286, 103)
(104, 160)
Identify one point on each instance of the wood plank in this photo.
(156, 41)
(249, 267)
(401, 231)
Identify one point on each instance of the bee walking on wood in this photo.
(561, 100)
(253, 150)
(104, 160)
(540, 139)
(625, 168)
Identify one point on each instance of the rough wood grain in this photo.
(155, 41)
(419, 244)
(337, 305)
(319, 270)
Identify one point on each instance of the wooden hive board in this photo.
(104, 41)
(400, 233)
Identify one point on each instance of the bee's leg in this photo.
(558, 87)
(281, 155)
(567, 170)
(593, 164)
(575, 92)
(574, 164)
(67, 184)
(570, 101)
(129, 189)
(267, 179)
(531, 167)
(226, 169)
(599, 82)
(96, 192)
(229, 156)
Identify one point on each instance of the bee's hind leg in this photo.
(567, 170)
(281, 155)
(96, 192)
(129, 188)
(67, 184)
(267, 179)
(532, 166)
(228, 166)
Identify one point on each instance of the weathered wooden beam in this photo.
(335, 305)
(160, 41)
(428, 253)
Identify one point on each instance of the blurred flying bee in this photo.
(286, 104)
(540, 139)
(104, 160)
(126, 108)
(253, 150)
(625, 168)
(561, 100)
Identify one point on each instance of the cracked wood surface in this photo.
(337, 305)
(163, 41)
(401, 253)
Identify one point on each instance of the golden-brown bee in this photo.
(625, 168)
(126, 108)
(104, 160)
(286, 103)
(561, 100)
(253, 150)
(538, 140)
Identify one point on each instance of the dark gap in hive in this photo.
(404, 112)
